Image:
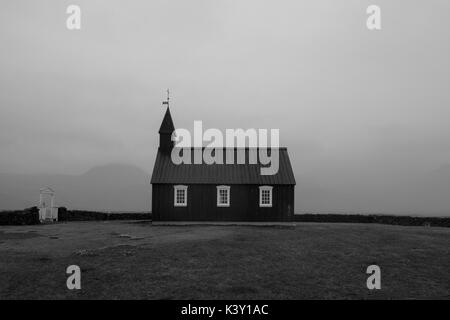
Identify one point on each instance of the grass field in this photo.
(123, 259)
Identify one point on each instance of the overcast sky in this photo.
(365, 114)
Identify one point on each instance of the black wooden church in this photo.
(218, 192)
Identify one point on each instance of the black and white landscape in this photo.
(95, 95)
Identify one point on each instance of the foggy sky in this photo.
(365, 114)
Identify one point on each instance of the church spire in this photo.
(167, 123)
(166, 129)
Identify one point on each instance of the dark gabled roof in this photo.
(167, 123)
(166, 172)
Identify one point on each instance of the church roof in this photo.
(167, 123)
(166, 172)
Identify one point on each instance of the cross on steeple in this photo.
(168, 98)
(166, 129)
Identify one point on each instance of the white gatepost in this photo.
(47, 213)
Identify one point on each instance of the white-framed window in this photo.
(180, 196)
(223, 196)
(265, 196)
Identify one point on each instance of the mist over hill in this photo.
(112, 187)
(122, 187)
(423, 194)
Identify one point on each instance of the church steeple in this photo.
(166, 130)
(167, 123)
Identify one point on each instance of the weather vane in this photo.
(168, 98)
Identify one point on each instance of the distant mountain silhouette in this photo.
(112, 187)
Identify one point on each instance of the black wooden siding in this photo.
(202, 204)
